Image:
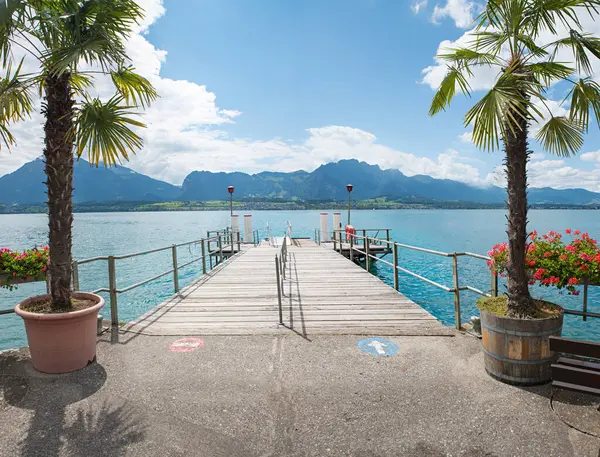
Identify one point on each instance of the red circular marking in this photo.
(186, 345)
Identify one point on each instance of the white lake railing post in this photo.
(395, 252)
(175, 269)
(456, 291)
(112, 285)
(203, 257)
(75, 268)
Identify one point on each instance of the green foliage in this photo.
(27, 265)
(62, 35)
(505, 40)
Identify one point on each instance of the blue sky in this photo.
(282, 85)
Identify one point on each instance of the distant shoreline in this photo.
(273, 205)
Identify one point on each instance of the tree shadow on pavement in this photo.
(64, 420)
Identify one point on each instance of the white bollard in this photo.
(248, 235)
(337, 225)
(235, 225)
(324, 227)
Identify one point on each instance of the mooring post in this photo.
(456, 291)
(395, 252)
(112, 285)
(75, 268)
(334, 240)
(203, 257)
(175, 269)
(351, 247)
(367, 259)
(238, 242)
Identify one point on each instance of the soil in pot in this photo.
(517, 351)
(45, 306)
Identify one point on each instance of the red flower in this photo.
(577, 232)
(539, 273)
(585, 257)
(563, 257)
(571, 248)
(573, 281)
(568, 231)
(547, 254)
(575, 292)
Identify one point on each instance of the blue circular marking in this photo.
(379, 347)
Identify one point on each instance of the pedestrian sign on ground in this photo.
(379, 347)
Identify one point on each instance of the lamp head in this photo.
(349, 187)
(230, 189)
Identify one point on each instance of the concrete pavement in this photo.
(286, 396)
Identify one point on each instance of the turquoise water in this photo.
(99, 234)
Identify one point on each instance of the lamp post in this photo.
(349, 187)
(230, 190)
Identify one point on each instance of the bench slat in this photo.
(574, 375)
(578, 363)
(576, 388)
(575, 347)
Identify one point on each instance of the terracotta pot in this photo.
(61, 342)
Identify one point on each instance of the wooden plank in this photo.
(323, 293)
(575, 347)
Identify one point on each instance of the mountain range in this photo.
(326, 183)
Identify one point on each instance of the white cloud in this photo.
(591, 156)
(552, 173)
(462, 12)
(418, 6)
(466, 137)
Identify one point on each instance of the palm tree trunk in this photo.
(520, 303)
(58, 152)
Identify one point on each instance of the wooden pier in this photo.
(322, 292)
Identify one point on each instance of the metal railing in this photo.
(456, 287)
(223, 239)
(364, 249)
(280, 274)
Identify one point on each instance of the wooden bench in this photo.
(578, 366)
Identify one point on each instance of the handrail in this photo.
(223, 238)
(456, 288)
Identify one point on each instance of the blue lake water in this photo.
(100, 234)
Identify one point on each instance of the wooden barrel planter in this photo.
(517, 351)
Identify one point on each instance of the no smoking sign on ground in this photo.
(186, 345)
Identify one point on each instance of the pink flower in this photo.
(568, 231)
(585, 257)
(577, 232)
(571, 248)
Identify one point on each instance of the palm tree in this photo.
(67, 39)
(507, 37)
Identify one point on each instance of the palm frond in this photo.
(447, 90)
(15, 101)
(134, 88)
(464, 57)
(503, 107)
(585, 94)
(489, 41)
(548, 71)
(104, 130)
(12, 15)
(561, 136)
(80, 82)
(91, 31)
(580, 45)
